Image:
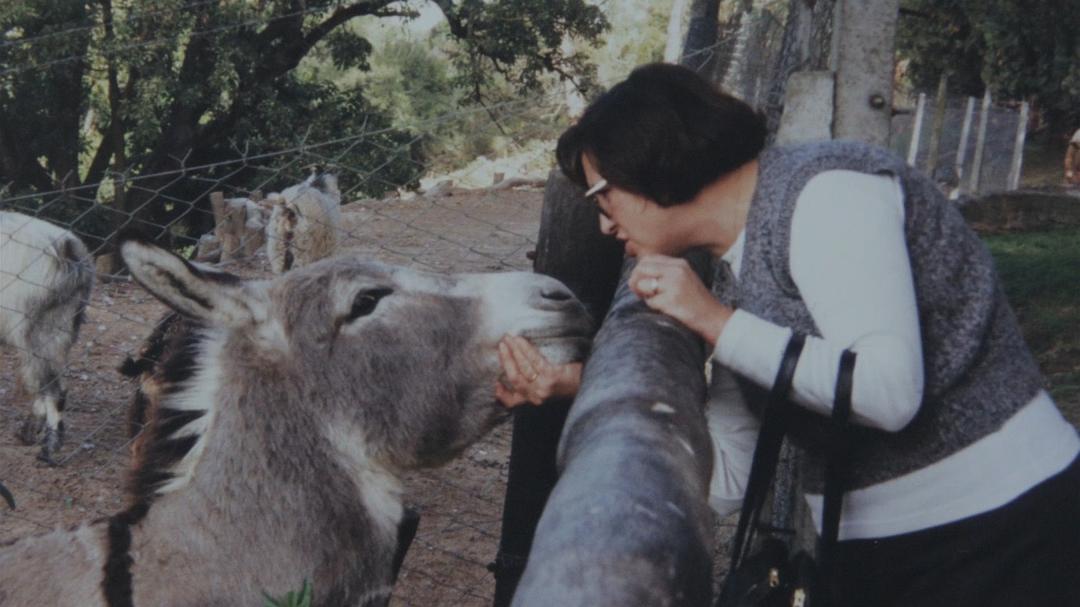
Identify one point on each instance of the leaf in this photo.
(301, 598)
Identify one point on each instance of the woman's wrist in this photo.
(567, 381)
(713, 322)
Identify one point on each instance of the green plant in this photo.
(300, 598)
(1041, 274)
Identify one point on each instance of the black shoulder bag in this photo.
(769, 576)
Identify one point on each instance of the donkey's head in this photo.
(398, 363)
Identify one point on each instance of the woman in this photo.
(964, 481)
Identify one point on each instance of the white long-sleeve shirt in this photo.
(849, 260)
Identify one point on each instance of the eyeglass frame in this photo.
(600, 187)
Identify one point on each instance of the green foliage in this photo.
(142, 88)
(416, 83)
(1021, 50)
(638, 35)
(349, 50)
(520, 41)
(301, 598)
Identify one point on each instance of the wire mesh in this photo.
(487, 225)
(480, 228)
(955, 165)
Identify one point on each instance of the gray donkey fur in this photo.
(283, 426)
(46, 275)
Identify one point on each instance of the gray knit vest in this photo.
(978, 371)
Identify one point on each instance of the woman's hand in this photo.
(530, 377)
(669, 285)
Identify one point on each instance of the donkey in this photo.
(46, 275)
(304, 223)
(275, 453)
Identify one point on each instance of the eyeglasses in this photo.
(593, 193)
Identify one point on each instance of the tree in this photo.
(1020, 50)
(140, 89)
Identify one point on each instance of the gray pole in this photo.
(628, 521)
(864, 35)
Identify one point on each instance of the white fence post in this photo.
(1018, 149)
(916, 129)
(936, 126)
(980, 142)
(961, 150)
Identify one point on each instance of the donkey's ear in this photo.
(212, 296)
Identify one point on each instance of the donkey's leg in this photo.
(43, 380)
(410, 521)
(43, 367)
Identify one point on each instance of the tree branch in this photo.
(100, 163)
(290, 45)
(340, 16)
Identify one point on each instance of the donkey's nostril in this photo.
(556, 294)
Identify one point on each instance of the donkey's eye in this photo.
(366, 301)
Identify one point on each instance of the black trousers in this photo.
(1023, 554)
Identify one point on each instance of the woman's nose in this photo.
(607, 226)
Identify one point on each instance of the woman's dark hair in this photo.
(664, 133)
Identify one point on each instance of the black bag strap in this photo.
(767, 452)
(836, 462)
(767, 449)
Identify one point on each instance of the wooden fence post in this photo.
(571, 248)
(628, 522)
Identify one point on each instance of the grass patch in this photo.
(1041, 274)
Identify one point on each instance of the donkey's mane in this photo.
(169, 360)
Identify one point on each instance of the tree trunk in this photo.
(699, 50)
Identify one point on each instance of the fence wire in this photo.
(482, 217)
(490, 224)
(956, 148)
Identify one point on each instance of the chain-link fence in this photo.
(951, 142)
(482, 217)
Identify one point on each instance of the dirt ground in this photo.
(460, 504)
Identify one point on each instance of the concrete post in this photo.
(865, 32)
